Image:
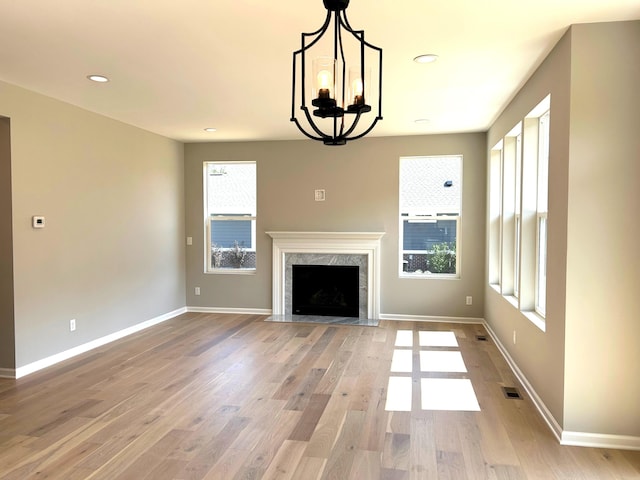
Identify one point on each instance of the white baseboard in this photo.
(579, 439)
(600, 440)
(7, 373)
(236, 311)
(555, 427)
(59, 357)
(426, 318)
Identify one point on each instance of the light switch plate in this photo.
(320, 195)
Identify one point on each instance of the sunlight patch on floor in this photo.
(454, 394)
(437, 339)
(404, 338)
(399, 394)
(402, 361)
(448, 394)
(437, 361)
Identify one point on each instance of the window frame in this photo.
(209, 218)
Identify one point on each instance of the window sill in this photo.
(431, 276)
(232, 271)
(512, 300)
(537, 320)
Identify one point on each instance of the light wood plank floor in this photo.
(234, 397)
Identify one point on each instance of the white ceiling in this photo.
(177, 67)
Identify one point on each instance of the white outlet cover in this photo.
(320, 195)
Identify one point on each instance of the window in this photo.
(510, 213)
(430, 204)
(495, 216)
(230, 209)
(518, 205)
(517, 217)
(542, 200)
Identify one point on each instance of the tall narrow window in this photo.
(495, 216)
(517, 217)
(511, 156)
(542, 201)
(430, 212)
(230, 209)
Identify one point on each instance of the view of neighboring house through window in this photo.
(230, 203)
(430, 208)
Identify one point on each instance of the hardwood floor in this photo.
(233, 397)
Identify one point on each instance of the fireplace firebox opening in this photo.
(327, 290)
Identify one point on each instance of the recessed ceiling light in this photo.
(98, 78)
(209, 129)
(422, 121)
(426, 58)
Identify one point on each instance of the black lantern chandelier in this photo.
(334, 71)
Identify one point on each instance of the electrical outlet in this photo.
(189, 240)
(469, 300)
(514, 337)
(72, 325)
(197, 290)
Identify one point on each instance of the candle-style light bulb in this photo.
(324, 83)
(358, 88)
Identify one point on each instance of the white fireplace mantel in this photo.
(329, 243)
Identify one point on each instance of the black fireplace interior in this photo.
(330, 290)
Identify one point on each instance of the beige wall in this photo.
(112, 253)
(602, 390)
(7, 330)
(540, 355)
(586, 366)
(361, 183)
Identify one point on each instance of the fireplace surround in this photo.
(327, 248)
